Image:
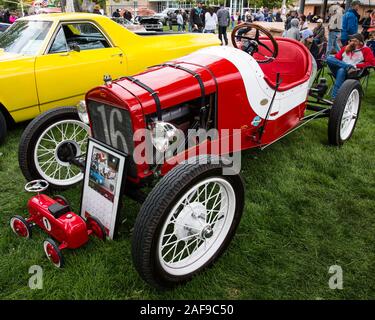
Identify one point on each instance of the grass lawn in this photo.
(308, 206)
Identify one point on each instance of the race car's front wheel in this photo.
(186, 223)
(344, 113)
(48, 144)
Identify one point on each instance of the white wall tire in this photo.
(47, 143)
(177, 233)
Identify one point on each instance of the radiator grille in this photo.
(112, 126)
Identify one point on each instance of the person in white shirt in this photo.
(210, 20)
(180, 21)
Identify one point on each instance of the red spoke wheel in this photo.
(20, 226)
(61, 199)
(97, 227)
(53, 253)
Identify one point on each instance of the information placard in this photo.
(102, 185)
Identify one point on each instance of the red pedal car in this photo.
(255, 93)
(55, 217)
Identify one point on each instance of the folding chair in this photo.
(363, 77)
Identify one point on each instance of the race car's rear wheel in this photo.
(186, 223)
(48, 144)
(344, 113)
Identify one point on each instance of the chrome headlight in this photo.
(162, 135)
(82, 111)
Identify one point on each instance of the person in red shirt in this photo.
(350, 60)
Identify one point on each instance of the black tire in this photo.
(51, 242)
(155, 210)
(337, 112)
(30, 138)
(99, 231)
(24, 222)
(3, 128)
(61, 199)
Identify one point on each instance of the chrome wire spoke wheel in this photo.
(197, 226)
(56, 146)
(350, 115)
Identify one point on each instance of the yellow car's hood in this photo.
(7, 56)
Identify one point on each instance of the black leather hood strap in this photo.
(152, 92)
(194, 74)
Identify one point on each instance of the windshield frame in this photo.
(41, 47)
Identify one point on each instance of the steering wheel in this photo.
(246, 36)
(36, 186)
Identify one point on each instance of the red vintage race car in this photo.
(244, 97)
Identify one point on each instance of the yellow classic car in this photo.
(51, 60)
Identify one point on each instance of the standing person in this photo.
(278, 17)
(170, 16)
(239, 18)
(319, 32)
(6, 16)
(180, 21)
(232, 20)
(116, 13)
(185, 19)
(350, 22)
(371, 41)
(303, 23)
(223, 21)
(247, 16)
(128, 15)
(350, 60)
(197, 18)
(210, 19)
(309, 17)
(97, 9)
(292, 15)
(293, 31)
(368, 22)
(334, 28)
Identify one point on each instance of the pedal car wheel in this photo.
(344, 112)
(53, 253)
(186, 223)
(97, 227)
(20, 226)
(61, 199)
(47, 145)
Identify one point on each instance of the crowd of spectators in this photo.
(346, 51)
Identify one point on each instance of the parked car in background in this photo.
(165, 14)
(3, 27)
(151, 23)
(135, 27)
(54, 59)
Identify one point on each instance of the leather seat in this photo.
(57, 209)
(292, 62)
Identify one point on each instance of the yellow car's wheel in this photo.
(3, 128)
(48, 145)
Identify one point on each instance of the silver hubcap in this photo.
(54, 147)
(350, 115)
(197, 226)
